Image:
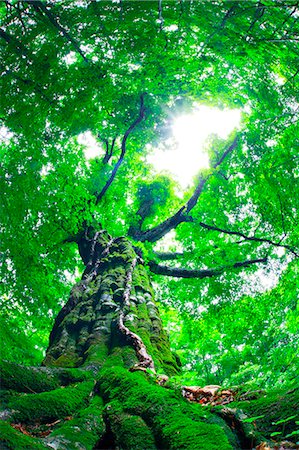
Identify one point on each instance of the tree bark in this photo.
(86, 396)
(111, 316)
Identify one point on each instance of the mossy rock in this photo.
(49, 406)
(12, 439)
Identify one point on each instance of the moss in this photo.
(83, 431)
(233, 438)
(183, 433)
(274, 406)
(122, 356)
(26, 379)
(12, 439)
(163, 355)
(141, 279)
(130, 432)
(68, 376)
(176, 424)
(69, 360)
(97, 352)
(6, 396)
(51, 405)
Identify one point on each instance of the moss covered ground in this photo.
(127, 410)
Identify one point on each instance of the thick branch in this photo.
(172, 222)
(202, 181)
(249, 238)
(204, 273)
(123, 150)
(40, 7)
(169, 256)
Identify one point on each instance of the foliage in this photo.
(73, 67)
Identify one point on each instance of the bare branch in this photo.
(172, 222)
(123, 149)
(249, 238)
(204, 273)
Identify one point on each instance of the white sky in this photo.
(190, 132)
(92, 147)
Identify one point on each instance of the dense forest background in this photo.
(222, 254)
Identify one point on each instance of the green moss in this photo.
(124, 356)
(97, 352)
(15, 440)
(26, 379)
(51, 405)
(141, 279)
(176, 424)
(130, 432)
(6, 396)
(83, 431)
(232, 437)
(163, 355)
(68, 376)
(182, 433)
(70, 360)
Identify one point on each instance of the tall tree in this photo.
(73, 67)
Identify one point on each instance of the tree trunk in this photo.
(111, 317)
(86, 396)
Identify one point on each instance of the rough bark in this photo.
(80, 409)
(86, 396)
(111, 316)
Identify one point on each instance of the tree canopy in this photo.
(123, 70)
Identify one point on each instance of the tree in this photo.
(72, 67)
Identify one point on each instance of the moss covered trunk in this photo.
(98, 387)
(111, 317)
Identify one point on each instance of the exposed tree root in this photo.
(145, 360)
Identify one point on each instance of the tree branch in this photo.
(169, 256)
(249, 238)
(204, 273)
(109, 150)
(193, 200)
(156, 233)
(123, 149)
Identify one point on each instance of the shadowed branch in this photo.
(249, 238)
(123, 149)
(200, 273)
(41, 8)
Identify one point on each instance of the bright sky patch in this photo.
(190, 132)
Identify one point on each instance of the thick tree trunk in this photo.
(87, 398)
(111, 317)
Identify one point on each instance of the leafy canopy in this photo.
(71, 67)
